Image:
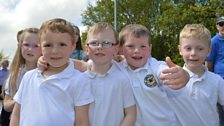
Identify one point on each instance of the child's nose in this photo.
(136, 49)
(55, 49)
(193, 52)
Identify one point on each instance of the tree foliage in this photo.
(2, 56)
(164, 18)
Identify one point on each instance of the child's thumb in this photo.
(169, 62)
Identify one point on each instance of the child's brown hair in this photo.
(135, 30)
(58, 25)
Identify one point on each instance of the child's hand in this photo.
(80, 65)
(119, 58)
(42, 64)
(175, 76)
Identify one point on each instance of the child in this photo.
(153, 104)
(78, 53)
(196, 106)
(114, 101)
(26, 56)
(53, 98)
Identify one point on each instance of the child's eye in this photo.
(143, 47)
(26, 44)
(63, 44)
(188, 48)
(37, 45)
(129, 46)
(200, 49)
(46, 45)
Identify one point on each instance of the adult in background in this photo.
(215, 60)
(4, 72)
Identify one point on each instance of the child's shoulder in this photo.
(214, 76)
(155, 62)
(32, 72)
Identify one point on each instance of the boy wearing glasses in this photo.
(114, 101)
(215, 60)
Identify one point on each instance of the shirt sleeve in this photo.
(83, 94)
(128, 94)
(18, 95)
(7, 86)
(221, 92)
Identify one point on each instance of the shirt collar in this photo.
(94, 75)
(143, 68)
(66, 73)
(195, 76)
(220, 37)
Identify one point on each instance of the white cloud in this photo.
(19, 14)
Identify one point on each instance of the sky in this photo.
(20, 14)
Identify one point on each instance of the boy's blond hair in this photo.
(135, 30)
(58, 25)
(196, 31)
(100, 27)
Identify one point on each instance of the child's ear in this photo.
(209, 50)
(179, 48)
(117, 47)
(73, 45)
(87, 49)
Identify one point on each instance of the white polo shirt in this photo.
(112, 94)
(153, 105)
(51, 101)
(196, 106)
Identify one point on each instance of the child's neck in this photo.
(101, 68)
(30, 65)
(54, 70)
(198, 71)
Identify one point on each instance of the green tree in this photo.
(164, 18)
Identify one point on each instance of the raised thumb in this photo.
(169, 62)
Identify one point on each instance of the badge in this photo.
(150, 81)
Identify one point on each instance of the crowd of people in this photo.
(53, 81)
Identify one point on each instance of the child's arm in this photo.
(8, 103)
(130, 116)
(81, 115)
(15, 115)
(80, 65)
(175, 76)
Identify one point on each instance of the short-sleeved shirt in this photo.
(8, 87)
(196, 105)
(216, 55)
(51, 101)
(153, 105)
(3, 75)
(112, 94)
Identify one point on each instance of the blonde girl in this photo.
(26, 56)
